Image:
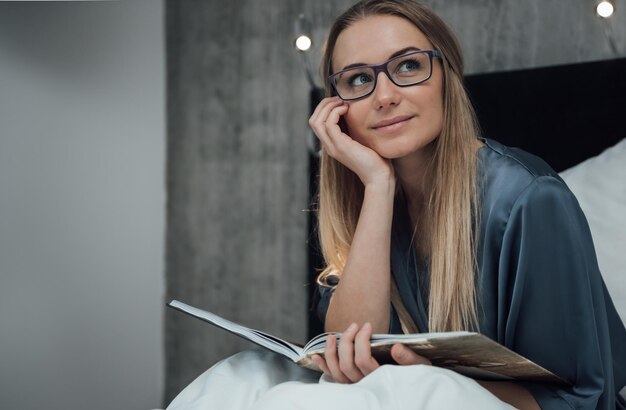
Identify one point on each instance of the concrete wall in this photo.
(237, 115)
(237, 178)
(499, 35)
(82, 204)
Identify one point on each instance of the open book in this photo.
(468, 353)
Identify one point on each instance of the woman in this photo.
(475, 236)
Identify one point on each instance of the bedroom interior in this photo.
(197, 173)
(565, 113)
(547, 93)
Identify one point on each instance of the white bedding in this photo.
(599, 184)
(261, 380)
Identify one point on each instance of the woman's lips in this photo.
(392, 124)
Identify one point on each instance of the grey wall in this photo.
(82, 204)
(237, 182)
(499, 35)
(237, 115)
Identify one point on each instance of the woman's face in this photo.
(416, 111)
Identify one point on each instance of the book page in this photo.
(258, 337)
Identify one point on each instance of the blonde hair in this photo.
(451, 211)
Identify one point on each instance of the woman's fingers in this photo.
(346, 354)
(405, 356)
(319, 118)
(332, 360)
(329, 101)
(321, 363)
(363, 351)
(332, 122)
(325, 124)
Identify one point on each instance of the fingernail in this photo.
(367, 326)
(352, 327)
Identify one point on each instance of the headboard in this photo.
(564, 114)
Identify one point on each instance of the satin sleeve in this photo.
(554, 311)
(325, 289)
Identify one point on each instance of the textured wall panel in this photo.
(501, 35)
(237, 178)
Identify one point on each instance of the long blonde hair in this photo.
(451, 211)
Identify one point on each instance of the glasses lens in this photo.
(409, 69)
(354, 83)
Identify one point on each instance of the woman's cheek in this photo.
(357, 136)
(352, 127)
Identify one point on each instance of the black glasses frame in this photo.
(383, 68)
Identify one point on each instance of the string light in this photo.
(303, 42)
(302, 33)
(605, 9)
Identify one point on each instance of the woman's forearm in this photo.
(511, 393)
(363, 291)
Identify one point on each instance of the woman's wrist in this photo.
(382, 184)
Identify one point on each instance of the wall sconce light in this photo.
(302, 30)
(302, 42)
(302, 33)
(605, 9)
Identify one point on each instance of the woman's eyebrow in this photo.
(396, 54)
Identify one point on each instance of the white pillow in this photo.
(599, 183)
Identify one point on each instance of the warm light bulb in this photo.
(303, 43)
(605, 9)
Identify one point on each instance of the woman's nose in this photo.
(386, 92)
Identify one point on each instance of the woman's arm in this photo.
(363, 293)
(511, 393)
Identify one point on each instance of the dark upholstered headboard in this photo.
(564, 114)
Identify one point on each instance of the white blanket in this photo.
(261, 380)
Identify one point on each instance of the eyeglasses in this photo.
(405, 70)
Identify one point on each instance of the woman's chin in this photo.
(398, 151)
(393, 153)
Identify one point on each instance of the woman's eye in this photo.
(408, 66)
(359, 79)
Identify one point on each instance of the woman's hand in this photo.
(352, 359)
(363, 161)
(407, 357)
